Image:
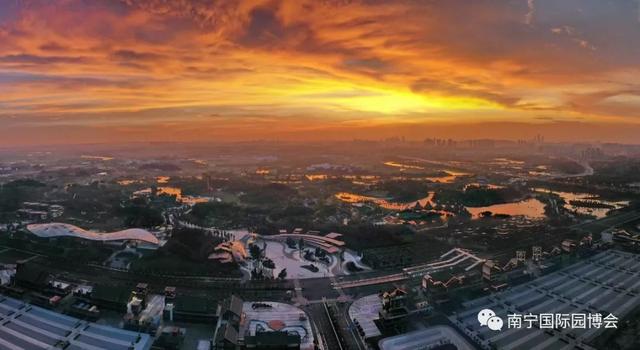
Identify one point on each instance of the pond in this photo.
(103, 158)
(451, 175)
(586, 203)
(163, 179)
(531, 208)
(382, 202)
(127, 182)
(402, 165)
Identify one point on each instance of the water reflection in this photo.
(403, 166)
(450, 177)
(506, 161)
(163, 179)
(384, 203)
(316, 177)
(531, 208)
(579, 202)
(127, 182)
(96, 157)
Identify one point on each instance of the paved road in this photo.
(346, 326)
(326, 330)
(311, 289)
(318, 288)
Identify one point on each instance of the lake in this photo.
(382, 202)
(577, 196)
(531, 208)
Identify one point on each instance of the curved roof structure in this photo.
(37, 328)
(328, 244)
(56, 229)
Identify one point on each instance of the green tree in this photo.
(255, 251)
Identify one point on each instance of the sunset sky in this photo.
(74, 71)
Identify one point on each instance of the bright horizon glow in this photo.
(116, 71)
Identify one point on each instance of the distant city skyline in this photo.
(145, 70)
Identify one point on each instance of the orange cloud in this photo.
(325, 64)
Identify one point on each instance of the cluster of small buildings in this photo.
(36, 212)
(145, 313)
(626, 238)
(153, 317)
(261, 325)
(386, 313)
(605, 283)
(578, 288)
(330, 242)
(497, 275)
(235, 251)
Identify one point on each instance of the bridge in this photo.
(458, 256)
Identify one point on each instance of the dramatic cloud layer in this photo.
(81, 71)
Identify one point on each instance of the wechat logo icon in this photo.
(488, 318)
